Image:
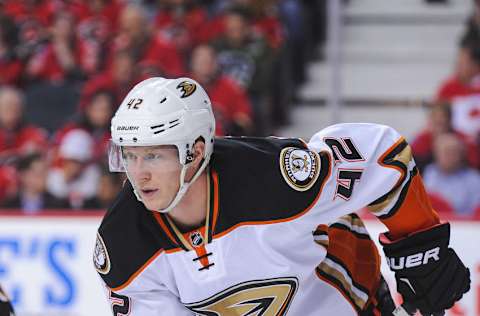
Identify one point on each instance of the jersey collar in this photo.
(189, 240)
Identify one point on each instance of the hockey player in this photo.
(262, 226)
(6, 308)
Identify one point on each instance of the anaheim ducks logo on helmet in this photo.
(187, 88)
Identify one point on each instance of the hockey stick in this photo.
(408, 310)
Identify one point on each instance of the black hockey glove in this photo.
(429, 275)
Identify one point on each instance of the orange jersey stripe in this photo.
(413, 210)
(358, 255)
(215, 199)
(164, 227)
(415, 213)
(382, 160)
(201, 253)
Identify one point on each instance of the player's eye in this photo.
(129, 157)
(152, 157)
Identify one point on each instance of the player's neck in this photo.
(191, 211)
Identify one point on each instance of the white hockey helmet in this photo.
(160, 111)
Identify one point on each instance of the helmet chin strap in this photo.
(183, 186)
(181, 191)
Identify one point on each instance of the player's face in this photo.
(155, 172)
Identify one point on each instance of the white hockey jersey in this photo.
(277, 239)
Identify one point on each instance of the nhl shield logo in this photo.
(187, 88)
(101, 261)
(196, 239)
(300, 167)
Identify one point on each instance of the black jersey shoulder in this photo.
(130, 235)
(251, 184)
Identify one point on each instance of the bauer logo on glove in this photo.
(415, 260)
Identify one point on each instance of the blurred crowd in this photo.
(65, 66)
(447, 151)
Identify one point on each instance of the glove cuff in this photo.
(437, 232)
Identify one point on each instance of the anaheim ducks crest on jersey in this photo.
(300, 167)
(270, 297)
(101, 259)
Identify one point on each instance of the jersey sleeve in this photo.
(373, 167)
(143, 302)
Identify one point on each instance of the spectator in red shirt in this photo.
(97, 25)
(95, 11)
(39, 10)
(179, 21)
(119, 79)
(265, 21)
(94, 118)
(148, 49)
(10, 64)
(8, 183)
(62, 58)
(16, 136)
(266, 24)
(32, 38)
(75, 178)
(247, 59)
(450, 179)
(466, 79)
(439, 122)
(32, 195)
(229, 100)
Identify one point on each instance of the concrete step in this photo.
(433, 44)
(393, 52)
(397, 61)
(406, 9)
(402, 82)
(307, 120)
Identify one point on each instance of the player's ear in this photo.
(198, 152)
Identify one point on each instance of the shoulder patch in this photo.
(300, 167)
(101, 259)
